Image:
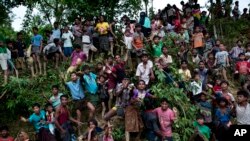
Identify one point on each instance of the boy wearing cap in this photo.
(3, 60)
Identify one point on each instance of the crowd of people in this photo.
(204, 64)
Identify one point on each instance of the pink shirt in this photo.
(75, 56)
(165, 118)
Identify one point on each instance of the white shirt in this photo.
(67, 42)
(56, 33)
(167, 60)
(128, 42)
(243, 114)
(8, 54)
(144, 72)
(51, 48)
(196, 87)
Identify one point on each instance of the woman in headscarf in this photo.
(145, 23)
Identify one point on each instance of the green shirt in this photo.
(203, 130)
(157, 49)
(3, 50)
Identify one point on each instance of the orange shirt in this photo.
(198, 40)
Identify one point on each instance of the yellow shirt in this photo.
(102, 28)
(186, 75)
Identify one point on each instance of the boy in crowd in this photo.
(242, 108)
(55, 99)
(166, 117)
(242, 68)
(198, 40)
(4, 132)
(20, 47)
(37, 47)
(67, 38)
(3, 60)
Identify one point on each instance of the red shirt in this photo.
(217, 88)
(7, 139)
(243, 67)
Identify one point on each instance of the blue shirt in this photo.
(90, 83)
(76, 89)
(56, 33)
(38, 121)
(56, 100)
(147, 23)
(36, 40)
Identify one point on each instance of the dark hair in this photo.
(222, 100)
(164, 100)
(55, 86)
(64, 96)
(56, 40)
(35, 28)
(141, 81)
(93, 121)
(224, 82)
(184, 61)
(243, 93)
(110, 57)
(163, 48)
(77, 46)
(199, 116)
(85, 67)
(241, 54)
(36, 105)
(19, 33)
(137, 25)
(148, 104)
(56, 23)
(202, 62)
(238, 41)
(48, 105)
(156, 36)
(4, 127)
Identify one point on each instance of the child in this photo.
(20, 47)
(203, 130)
(89, 80)
(4, 134)
(166, 117)
(242, 108)
(225, 93)
(183, 53)
(22, 136)
(11, 52)
(37, 47)
(38, 119)
(103, 93)
(55, 99)
(167, 59)
(3, 60)
(184, 71)
(198, 40)
(209, 43)
(107, 134)
(205, 108)
(93, 131)
(52, 51)
(242, 68)
(222, 118)
(128, 38)
(217, 87)
(50, 118)
(157, 46)
(196, 58)
(210, 61)
(87, 45)
(235, 51)
(67, 38)
(222, 60)
(196, 87)
(77, 59)
(137, 42)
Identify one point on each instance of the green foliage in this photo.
(118, 134)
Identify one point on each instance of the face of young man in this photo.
(73, 77)
(164, 105)
(36, 109)
(4, 133)
(64, 101)
(55, 91)
(241, 98)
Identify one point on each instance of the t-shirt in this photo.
(157, 49)
(235, 51)
(166, 59)
(243, 67)
(7, 139)
(38, 121)
(77, 55)
(203, 130)
(56, 33)
(102, 28)
(67, 36)
(144, 72)
(76, 29)
(90, 83)
(198, 40)
(243, 114)
(51, 48)
(20, 46)
(196, 87)
(151, 121)
(76, 89)
(186, 75)
(56, 100)
(166, 119)
(221, 57)
(119, 70)
(36, 40)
